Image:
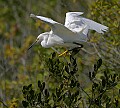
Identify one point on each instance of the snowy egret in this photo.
(72, 34)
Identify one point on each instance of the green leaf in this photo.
(39, 84)
(58, 92)
(95, 67)
(99, 63)
(90, 75)
(29, 86)
(53, 55)
(54, 96)
(46, 93)
(59, 99)
(39, 97)
(43, 86)
(103, 82)
(67, 69)
(77, 93)
(25, 104)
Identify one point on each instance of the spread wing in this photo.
(57, 28)
(49, 21)
(77, 23)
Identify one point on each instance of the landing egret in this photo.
(72, 34)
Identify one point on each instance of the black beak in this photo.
(32, 45)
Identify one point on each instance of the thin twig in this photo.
(3, 104)
(88, 51)
(94, 45)
(85, 92)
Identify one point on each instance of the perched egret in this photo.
(72, 34)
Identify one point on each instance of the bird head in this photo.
(38, 40)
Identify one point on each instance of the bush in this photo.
(67, 91)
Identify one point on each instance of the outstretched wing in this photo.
(49, 21)
(79, 24)
(57, 28)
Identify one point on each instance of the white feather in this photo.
(75, 30)
(77, 23)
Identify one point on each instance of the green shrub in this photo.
(68, 92)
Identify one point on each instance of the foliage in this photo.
(107, 12)
(68, 91)
(17, 32)
(100, 96)
(19, 67)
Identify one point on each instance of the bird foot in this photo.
(64, 53)
(73, 51)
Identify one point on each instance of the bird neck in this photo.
(45, 37)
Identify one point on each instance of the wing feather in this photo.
(95, 26)
(49, 21)
(79, 24)
(57, 28)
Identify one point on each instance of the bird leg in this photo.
(60, 54)
(55, 50)
(74, 50)
(79, 45)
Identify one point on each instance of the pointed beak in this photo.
(32, 44)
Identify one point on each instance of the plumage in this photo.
(75, 30)
(76, 23)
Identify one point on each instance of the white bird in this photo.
(72, 34)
